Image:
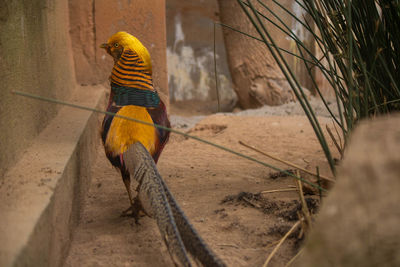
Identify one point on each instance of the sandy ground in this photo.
(218, 191)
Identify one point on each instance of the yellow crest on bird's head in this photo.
(130, 42)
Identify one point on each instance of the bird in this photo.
(132, 95)
(127, 142)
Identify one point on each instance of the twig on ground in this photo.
(303, 225)
(278, 190)
(274, 243)
(276, 175)
(285, 162)
(294, 258)
(280, 243)
(228, 245)
(304, 207)
(251, 203)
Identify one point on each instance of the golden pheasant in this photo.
(132, 95)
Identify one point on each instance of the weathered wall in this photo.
(42, 42)
(257, 78)
(309, 41)
(35, 56)
(190, 46)
(43, 164)
(94, 21)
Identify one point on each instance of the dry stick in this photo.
(293, 259)
(278, 190)
(303, 225)
(286, 162)
(304, 206)
(251, 203)
(280, 243)
(273, 243)
(228, 245)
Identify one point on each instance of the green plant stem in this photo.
(291, 79)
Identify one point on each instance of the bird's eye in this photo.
(116, 44)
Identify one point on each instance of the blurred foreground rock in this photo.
(359, 222)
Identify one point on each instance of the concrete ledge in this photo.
(41, 196)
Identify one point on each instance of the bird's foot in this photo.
(135, 210)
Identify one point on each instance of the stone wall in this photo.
(190, 52)
(94, 21)
(48, 46)
(35, 57)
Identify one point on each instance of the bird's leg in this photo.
(127, 183)
(136, 205)
(126, 178)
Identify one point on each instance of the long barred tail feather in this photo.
(176, 230)
(154, 200)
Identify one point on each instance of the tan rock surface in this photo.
(359, 222)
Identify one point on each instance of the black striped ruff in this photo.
(131, 82)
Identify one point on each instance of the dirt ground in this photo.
(218, 191)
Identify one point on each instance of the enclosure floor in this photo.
(241, 232)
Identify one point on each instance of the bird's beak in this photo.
(104, 46)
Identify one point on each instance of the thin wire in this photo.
(56, 101)
(215, 73)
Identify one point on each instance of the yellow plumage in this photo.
(124, 133)
(132, 95)
(132, 43)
